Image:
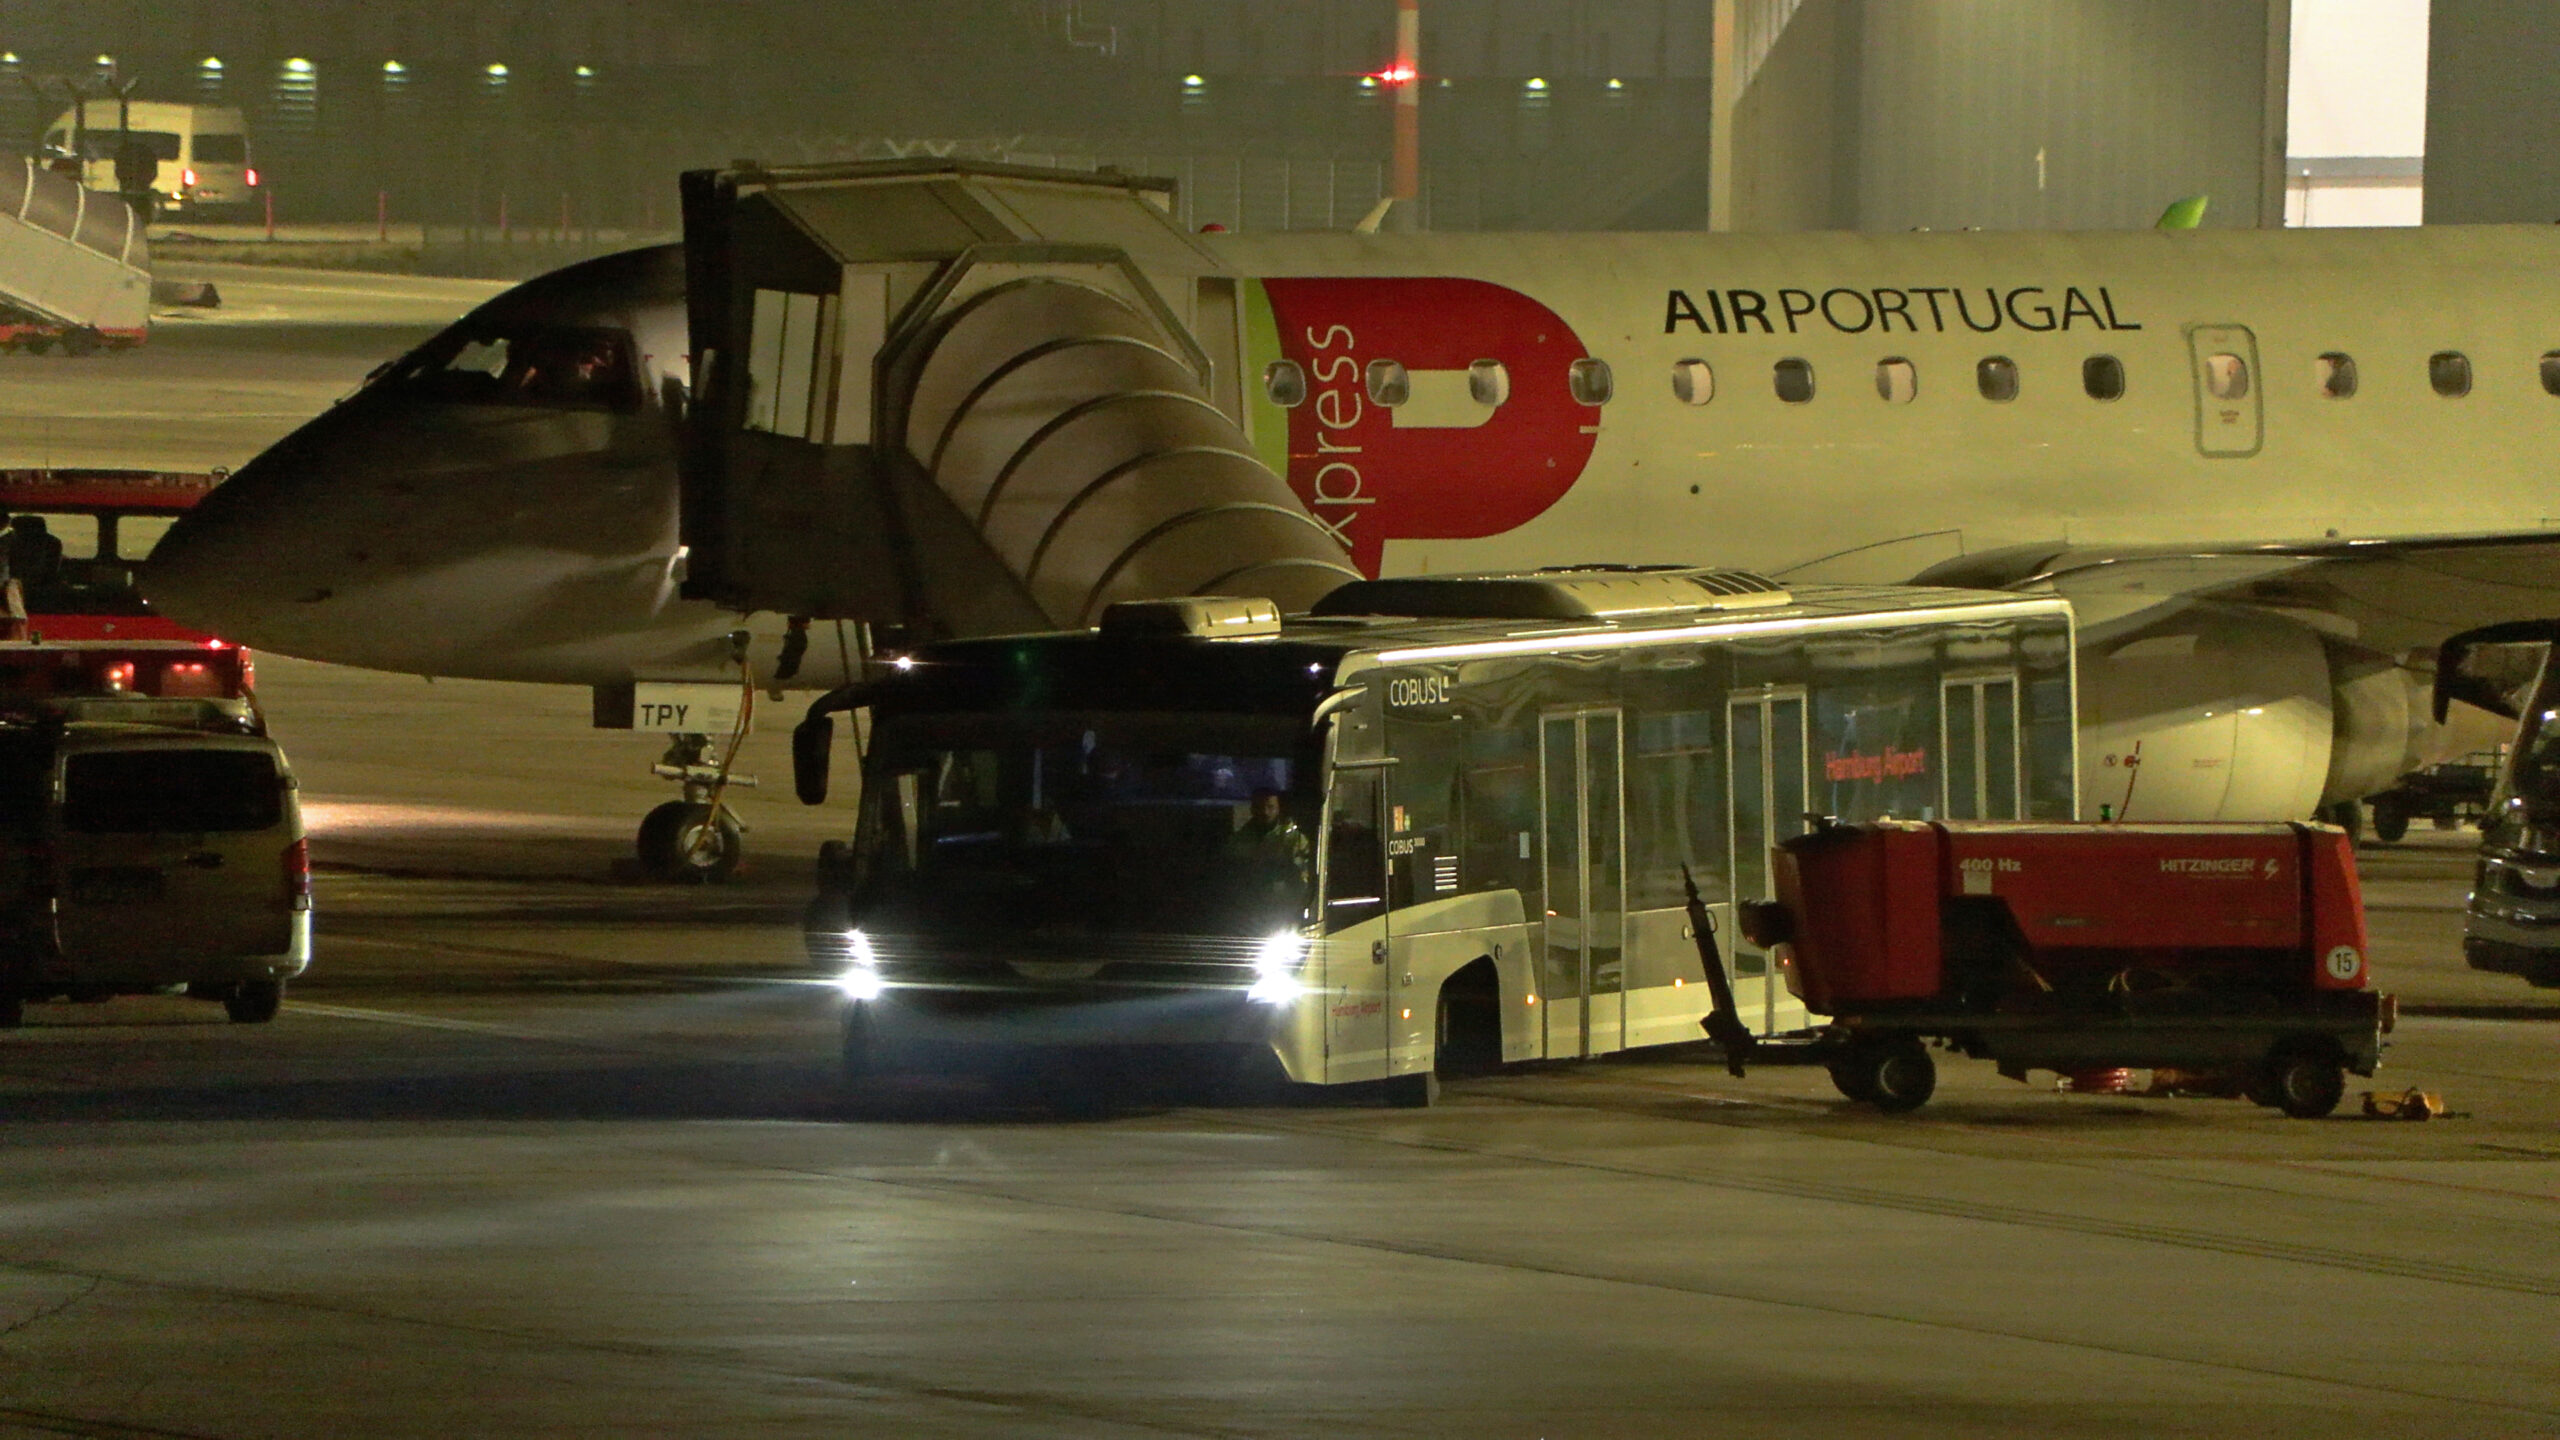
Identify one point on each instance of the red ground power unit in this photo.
(2227, 958)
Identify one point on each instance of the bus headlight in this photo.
(1275, 969)
(861, 977)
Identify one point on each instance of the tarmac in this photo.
(538, 1150)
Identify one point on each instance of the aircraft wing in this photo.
(2387, 595)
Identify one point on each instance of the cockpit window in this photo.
(551, 366)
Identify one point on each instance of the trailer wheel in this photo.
(254, 1002)
(2390, 822)
(1896, 1074)
(1850, 1079)
(2307, 1077)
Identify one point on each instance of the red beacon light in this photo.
(1395, 75)
(187, 177)
(252, 177)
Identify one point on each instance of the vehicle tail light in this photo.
(253, 177)
(187, 177)
(297, 874)
(118, 677)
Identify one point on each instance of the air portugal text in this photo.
(1933, 308)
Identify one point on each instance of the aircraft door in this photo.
(1582, 985)
(1354, 864)
(1767, 791)
(2224, 362)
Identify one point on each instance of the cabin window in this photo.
(1693, 382)
(2226, 376)
(1389, 385)
(1997, 378)
(1795, 380)
(1488, 382)
(2102, 376)
(2337, 373)
(1591, 382)
(2449, 371)
(2551, 372)
(1285, 383)
(1897, 381)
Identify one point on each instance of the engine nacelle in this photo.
(2231, 712)
(2216, 713)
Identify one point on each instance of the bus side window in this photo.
(1355, 854)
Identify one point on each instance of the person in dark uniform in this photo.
(1274, 858)
(35, 556)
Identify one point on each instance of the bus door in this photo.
(1355, 991)
(1582, 985)
(1978, 735)
(1767, 791)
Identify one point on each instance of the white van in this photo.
(140, 858)
(203, 151)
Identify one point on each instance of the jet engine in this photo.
(2224, 711)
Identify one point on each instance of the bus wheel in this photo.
(1412, 1092)
(1895, 1073)
(683, 841)
(1469, 1023)
(2306, 1077)
(254, 1002)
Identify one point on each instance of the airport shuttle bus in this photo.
(1438, 822)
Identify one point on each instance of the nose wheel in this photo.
(690, 843)
(696, 840)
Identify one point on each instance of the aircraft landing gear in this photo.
(696, 840)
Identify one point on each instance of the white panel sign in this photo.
(692, 708)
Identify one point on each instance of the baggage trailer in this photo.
(75, 270)
(2228, 959)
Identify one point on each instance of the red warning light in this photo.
(1397, 74)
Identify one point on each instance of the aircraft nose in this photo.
(250, 554)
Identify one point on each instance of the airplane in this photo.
(2272, 469)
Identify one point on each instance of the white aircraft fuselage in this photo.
(1985, 408)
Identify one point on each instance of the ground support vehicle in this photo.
(2227, 959)
(75, 270)
(2511, 919)
(2450, 795)
(147, 846)
(1438, 823)
(78, 625)
(199, 154)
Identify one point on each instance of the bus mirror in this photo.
(811, 741)
(2458, 678)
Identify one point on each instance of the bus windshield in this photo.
(1176, 825)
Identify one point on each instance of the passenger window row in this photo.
(1897, 379)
